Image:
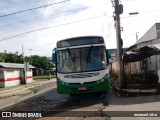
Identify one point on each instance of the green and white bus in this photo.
(81, 65)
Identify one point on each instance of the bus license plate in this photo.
(82, 88)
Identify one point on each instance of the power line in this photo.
(103, 25)
(109, 29)
(26, 25)
(32, 9)
(28, 22)
(39, 19)
(49, 27)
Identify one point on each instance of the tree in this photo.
(13, 58)
(10, 58)
(1, 57)
(35, 60)
(40, 62)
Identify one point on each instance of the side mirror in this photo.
(108, 54)
(54, 54)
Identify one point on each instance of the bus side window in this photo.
(54, 56)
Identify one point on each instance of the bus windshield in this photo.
(81, 59)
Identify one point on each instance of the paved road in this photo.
(142, 105)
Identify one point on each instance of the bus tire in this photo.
(103, 92)
(72, 95)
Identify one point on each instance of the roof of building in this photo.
(115, 49)
(151, 34)
(141, 53)
(132, 47)
(13, 65)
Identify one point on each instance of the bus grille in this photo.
(84, 75)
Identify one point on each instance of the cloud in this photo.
(42, 42)
(67, 8)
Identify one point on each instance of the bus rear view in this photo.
(81, 65)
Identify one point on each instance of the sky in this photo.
(38, 30)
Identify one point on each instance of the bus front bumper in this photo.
(96, 86)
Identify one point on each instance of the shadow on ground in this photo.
(51, 103)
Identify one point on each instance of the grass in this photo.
(43, 77)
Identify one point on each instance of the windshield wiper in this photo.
(72, 58)
(69, 52)
(70, 55)
(89, 53)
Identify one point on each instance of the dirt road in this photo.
(47, 101)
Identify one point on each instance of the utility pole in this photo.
(30, 57)
(119, 10)
(24, 70)
(23, 54)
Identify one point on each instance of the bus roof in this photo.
(82, 40)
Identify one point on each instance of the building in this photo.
(113, 60)
(113, 53)
(151, 37)
(150, 64)
(12, 74)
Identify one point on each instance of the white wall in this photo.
(12, 77)
(2, 77)
(151, 34)
(29, 76)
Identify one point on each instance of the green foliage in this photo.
(1, 57)
(11, 58)
(35, 60)
(40, 62)
(43, 77)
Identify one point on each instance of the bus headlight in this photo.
(106, 77)
(98, 81)
(102, 80)
(62, 83)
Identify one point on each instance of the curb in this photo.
(16, 94)
(134, 92)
